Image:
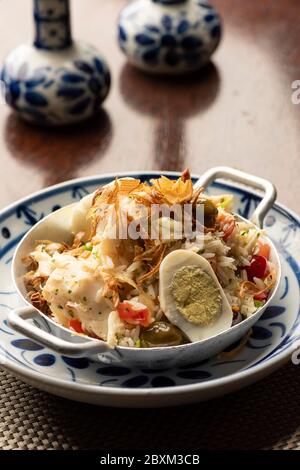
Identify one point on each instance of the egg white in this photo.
(170, 265)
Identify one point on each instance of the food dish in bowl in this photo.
(135, 275)
(271, 343)
(149, 292)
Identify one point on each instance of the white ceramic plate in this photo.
(271, 344)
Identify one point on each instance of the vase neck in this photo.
(169, 2)
(52, 24)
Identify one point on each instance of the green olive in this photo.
(161, 334)
(210, 214)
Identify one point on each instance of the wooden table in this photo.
(238, 113)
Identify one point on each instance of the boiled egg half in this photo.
(191, 296)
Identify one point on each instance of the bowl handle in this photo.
(17, 320)
(240, 177)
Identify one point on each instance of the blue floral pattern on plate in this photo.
(275, 333)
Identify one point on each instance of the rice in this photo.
(228, 257)
(208, 255)
(259, 283)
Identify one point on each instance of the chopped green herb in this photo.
(88, 247)
(258, 303)
(69, 291)
(137, 343)
(56, 291)
(200, 252)
(225, 202)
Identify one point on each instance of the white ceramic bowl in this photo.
(63, 341)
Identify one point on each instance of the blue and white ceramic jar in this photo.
(55, 81)
(169, 36)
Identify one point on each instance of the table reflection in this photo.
(171, 102)
(58, 153)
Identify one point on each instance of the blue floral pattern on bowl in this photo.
(272, 339)
(174, 38)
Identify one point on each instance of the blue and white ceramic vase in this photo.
(55, 81)
(169, 36)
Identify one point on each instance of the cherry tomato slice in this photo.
(257, 267)
(134, 315)
(264, 250)
(76, 325)
(261, 296)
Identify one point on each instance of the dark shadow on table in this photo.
(258, 417)
(171, 102)
(59, 153)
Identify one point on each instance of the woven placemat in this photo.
(263, 416)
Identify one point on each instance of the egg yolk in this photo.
(196, 295)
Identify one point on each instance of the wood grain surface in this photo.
(238, 112)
